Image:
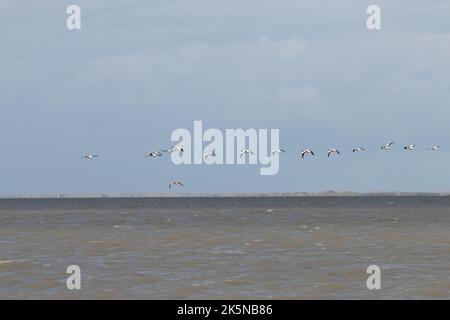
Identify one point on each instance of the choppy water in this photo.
(236, 248)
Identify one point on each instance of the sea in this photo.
(226, 248)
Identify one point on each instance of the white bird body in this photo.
(210, 154)
(278, 151)
(246, 151)
(307, 151)
(153, 154)
(358, 149)
(175, 183)
(90, 156)
(410, 147)
(333, 150)
(178, 148)
(434, 148)
(387, 146)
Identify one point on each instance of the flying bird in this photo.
(89, 156)
(154, 154)
(307, 151)
(434, 148)
(175, 183)
(278, 151)
(387, 146)
(246, 151)
(178, 148)
(210, 154)
(410, 147)
(358, 149)
(333, 150)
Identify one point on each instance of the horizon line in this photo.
(329, 193)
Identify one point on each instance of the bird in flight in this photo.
(434, 148)
(410, 147)
(358, 149)
(175, 183)
(278, 151)
(333, 150)
(154, 154)
(246, 151)
(307, 151)
(178, 148)
(387, 146)
(89, 156)
(210, 154)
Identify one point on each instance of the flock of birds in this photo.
(303, 152)
(388, 146)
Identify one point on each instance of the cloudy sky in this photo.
(137, 70)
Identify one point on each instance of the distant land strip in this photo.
(229, 195)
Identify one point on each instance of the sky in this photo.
(138, 70)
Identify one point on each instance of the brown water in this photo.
(233, 248)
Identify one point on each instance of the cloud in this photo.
(306, 95)
(138, 70)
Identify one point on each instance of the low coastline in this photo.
(230, 195)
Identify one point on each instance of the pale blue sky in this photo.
(140, 69)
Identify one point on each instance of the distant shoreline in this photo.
(230, 195)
